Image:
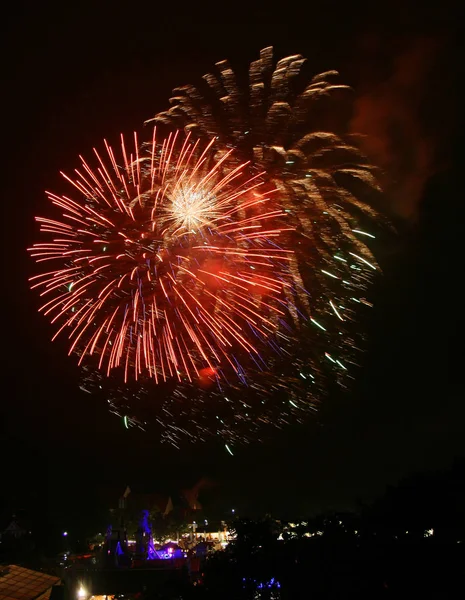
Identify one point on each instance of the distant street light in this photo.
(65, 533)
(81, 592)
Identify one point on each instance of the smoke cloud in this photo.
(407, 115)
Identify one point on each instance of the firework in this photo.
(164, 264)
(219, 277)
(297, 131)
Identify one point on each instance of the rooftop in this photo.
(18, 583)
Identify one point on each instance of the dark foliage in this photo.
(411, 541)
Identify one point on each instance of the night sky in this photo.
(73, 75)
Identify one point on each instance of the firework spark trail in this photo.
(297, 132)
(172, 264)
(164, 264)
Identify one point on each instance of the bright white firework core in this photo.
(192, 209)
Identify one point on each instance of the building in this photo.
(18, 583)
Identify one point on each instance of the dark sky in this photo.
(73, 74)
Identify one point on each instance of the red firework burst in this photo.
(166, 263)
